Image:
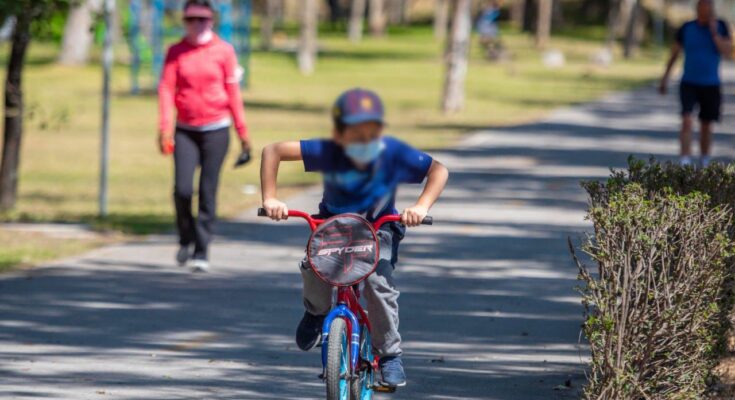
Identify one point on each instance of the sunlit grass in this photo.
(28, 248)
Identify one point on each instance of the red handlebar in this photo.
(314, 222)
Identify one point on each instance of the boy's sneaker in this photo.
(391, 369)
(309, 331)
(199, 265)
(685, 160)
(182, 256)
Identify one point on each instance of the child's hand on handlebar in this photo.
(276, 209)
(413, 216)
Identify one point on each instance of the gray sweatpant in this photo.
(380, 294)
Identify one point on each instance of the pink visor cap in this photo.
(198, 11)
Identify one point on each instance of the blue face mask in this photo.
(364, 153)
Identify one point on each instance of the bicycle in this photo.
(343, 251)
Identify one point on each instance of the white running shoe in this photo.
(685, 160)
(198, 265)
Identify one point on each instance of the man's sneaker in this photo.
(704, 161)
(309, 331)
(685, 160)
(182, 256)
(199, 265)
(391, 369)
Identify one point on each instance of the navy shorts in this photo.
(709, 99)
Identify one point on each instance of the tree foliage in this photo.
(38, 11)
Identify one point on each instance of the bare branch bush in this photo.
(658, 300)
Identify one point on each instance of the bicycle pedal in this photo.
(384, 389)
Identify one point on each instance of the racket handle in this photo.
(262, 213)
(428, 221)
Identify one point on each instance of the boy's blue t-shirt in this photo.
(370, 192)
(701, 56)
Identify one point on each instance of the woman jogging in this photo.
(201, 80)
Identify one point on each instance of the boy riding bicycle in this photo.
(362, 170)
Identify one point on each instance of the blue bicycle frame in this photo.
(341, 311)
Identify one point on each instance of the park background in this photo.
(555, 54)
(606, 46)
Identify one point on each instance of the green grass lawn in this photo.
(29, 248)
(59, 163)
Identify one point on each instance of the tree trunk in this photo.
(357, 16)
(117, 24)
(530, 13)
(377, 17)
(456, 57)
(267, 24)
(441, 19)
(78, 34)
(403, 16)
(397, 11)
(543, 23)
(517, 11)
(624, 14)
(596, 11)
(612, 23)
(660, 23)
(557, 14)
(635, 30)
(308, 44)
(13, 114)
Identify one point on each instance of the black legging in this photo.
(208, 150)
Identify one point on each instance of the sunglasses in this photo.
(196, 19)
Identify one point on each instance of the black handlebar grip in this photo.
(262, 213)
(428, 221)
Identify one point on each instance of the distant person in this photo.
(704, 41)
(489, 32)
(201, 79)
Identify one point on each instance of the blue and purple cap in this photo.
(358, 105)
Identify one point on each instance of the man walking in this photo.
(703, 40)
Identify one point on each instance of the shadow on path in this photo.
(488, 305)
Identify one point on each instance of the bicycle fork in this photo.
(353, 330)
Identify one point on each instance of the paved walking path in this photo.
(488, 307)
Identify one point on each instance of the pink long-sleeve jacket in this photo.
(202, 83)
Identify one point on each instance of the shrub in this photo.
(716, 181)
(655, 314)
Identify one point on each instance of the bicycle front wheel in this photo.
(338, 362)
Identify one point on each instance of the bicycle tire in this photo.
(362, 387)
(338, 362)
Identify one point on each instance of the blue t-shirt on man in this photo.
(371, 191)
(701, 56)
